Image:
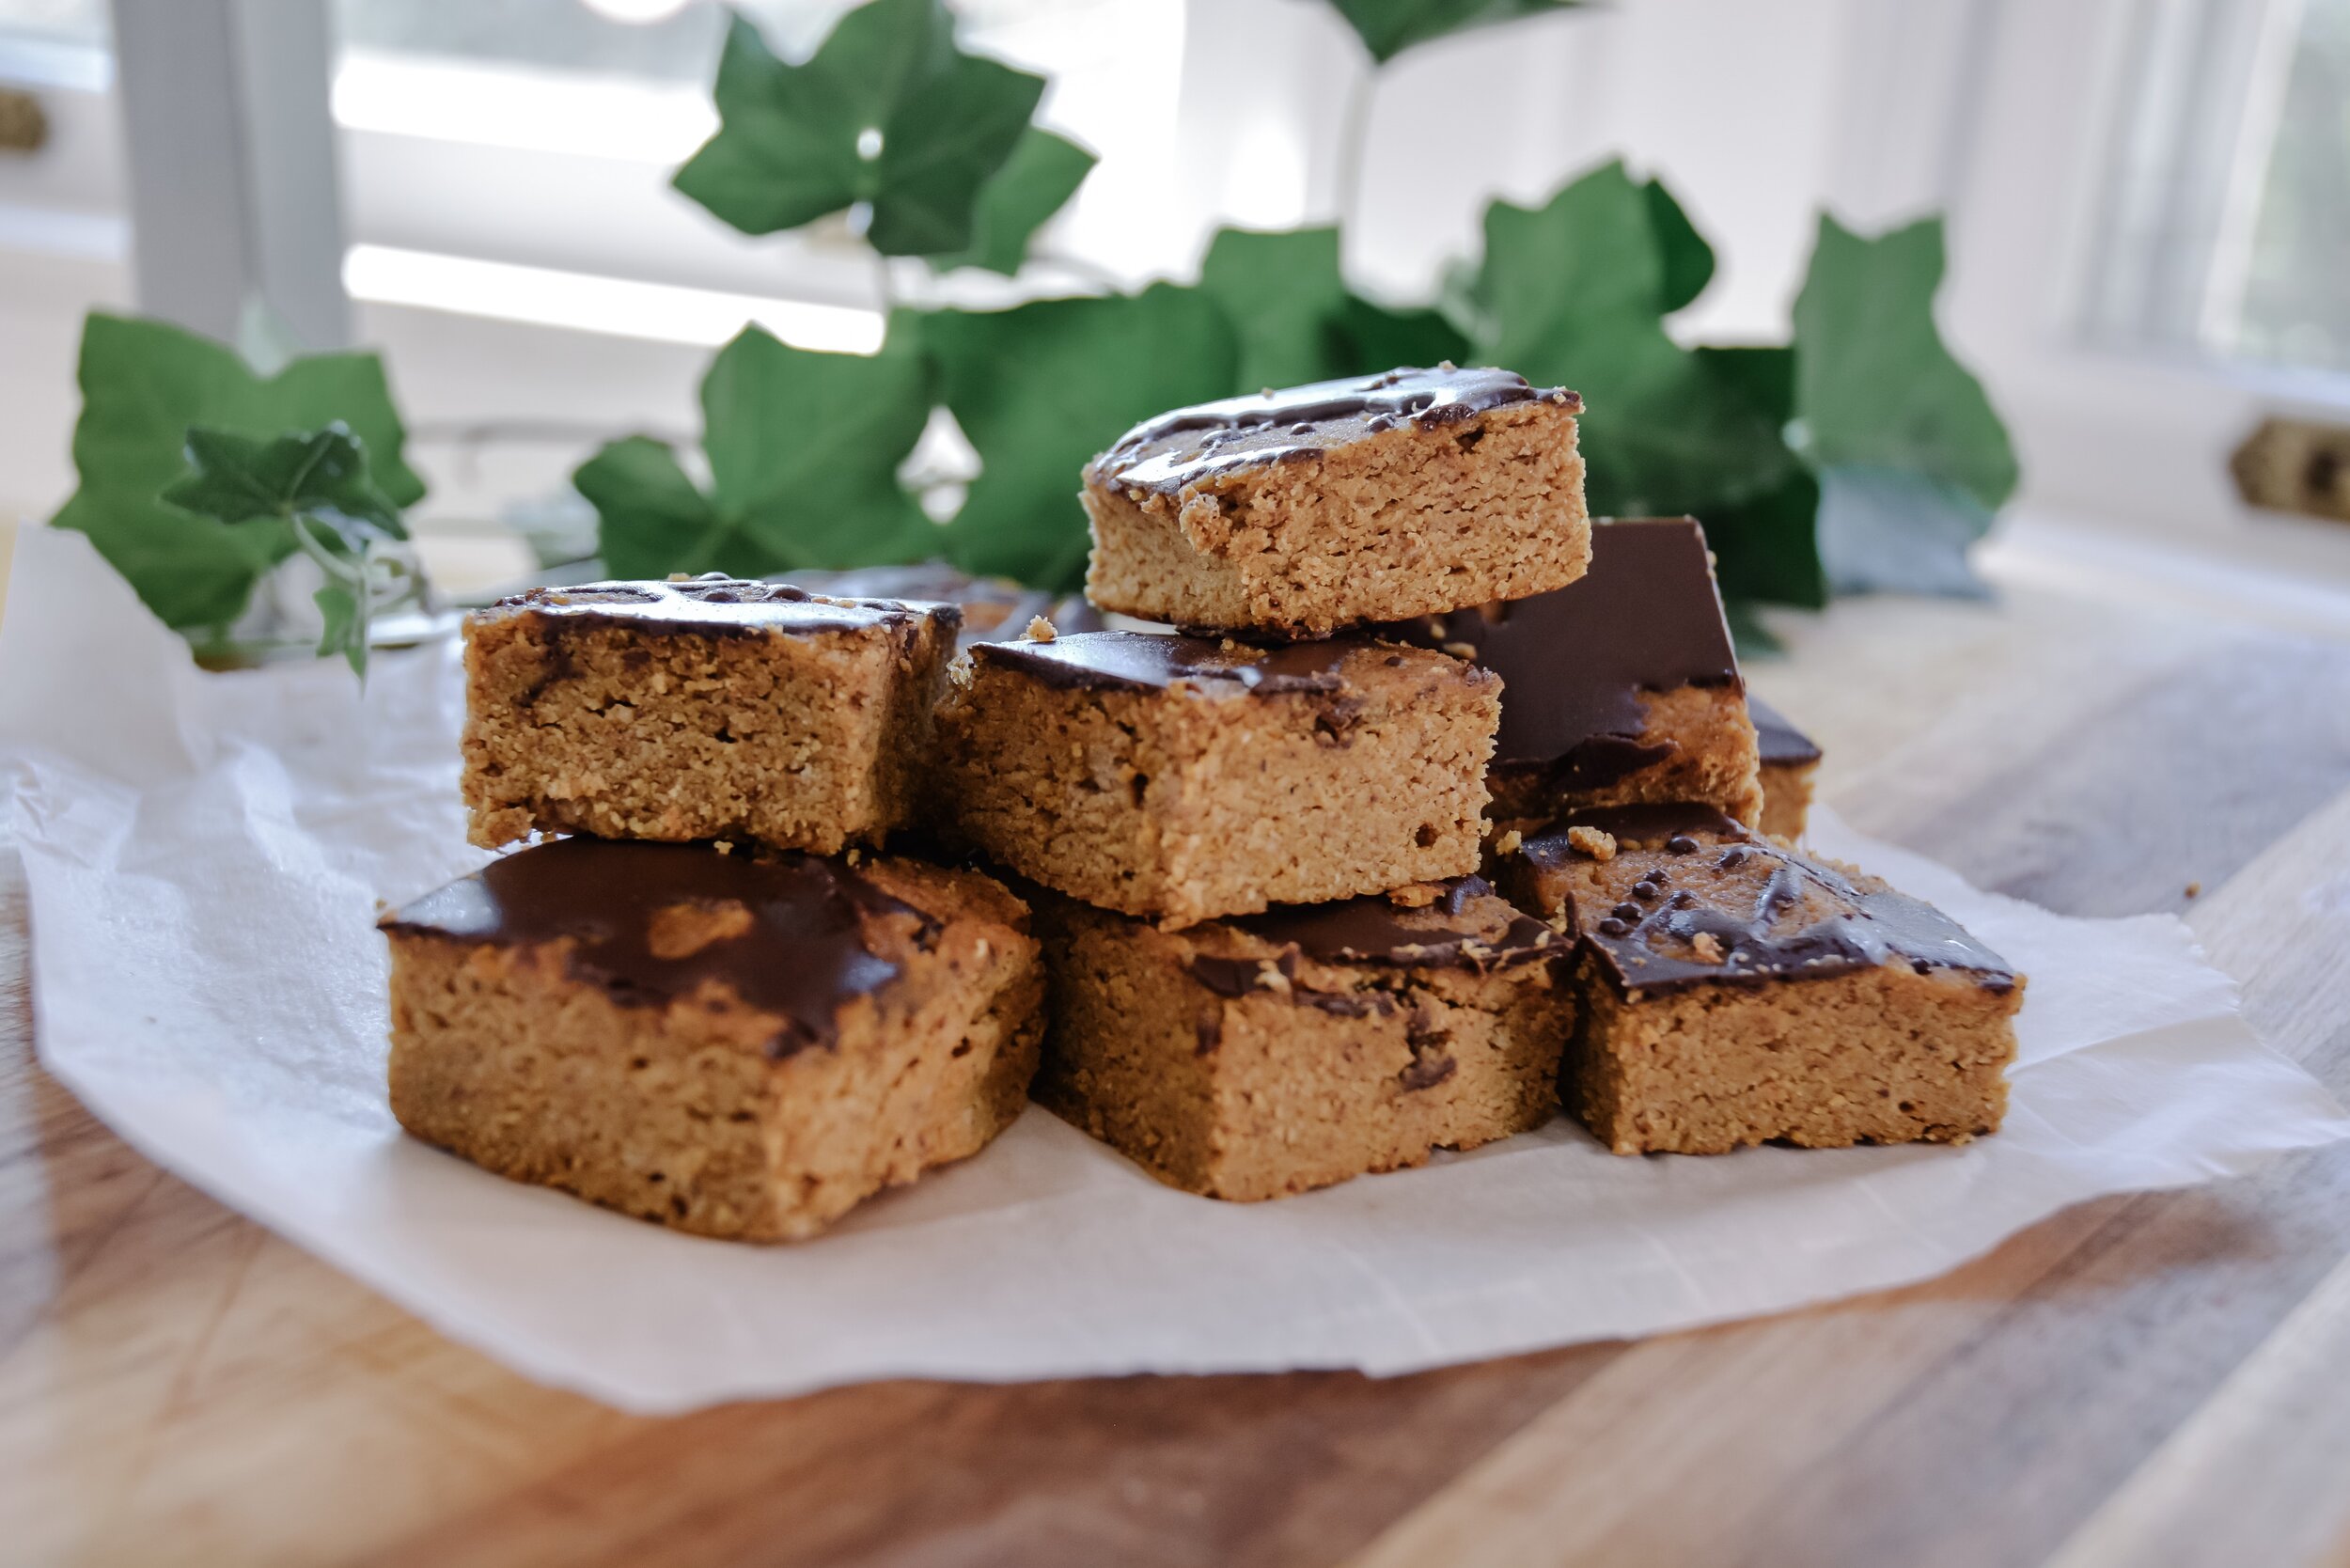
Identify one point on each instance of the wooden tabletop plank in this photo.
(2260, 1474)
(176, 1385)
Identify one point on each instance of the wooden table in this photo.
(2161, 1379)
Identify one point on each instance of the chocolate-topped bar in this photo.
(1188, 778)
(1252, 1058)
(995, 609)
(1297, 512)
(1789, 758)
(1734, 991)
(730, 1043)
(706, 708)
(1622, 688)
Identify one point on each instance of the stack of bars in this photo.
(1421, 806)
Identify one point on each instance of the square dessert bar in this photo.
(701, 709)
(1187, 779)
(1254, 1058)
(995, 609)
(1789, 759)
(731, 1045)
(1340, 502)
(1734, 991)
(1620, 687)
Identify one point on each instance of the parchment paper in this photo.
(204, 853)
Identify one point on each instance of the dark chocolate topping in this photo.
(1242, 976)
(995, 609)
(783, 932)
(1649, 823)
(714, 604)
(1780, 740)
(1301, 423)
(1373, 930)
(1804, 921)
(1575, 662)
(1142, 661)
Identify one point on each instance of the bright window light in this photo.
(535, 110)
(621, 307)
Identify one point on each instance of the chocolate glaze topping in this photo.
(1301, 423)
(1775, 915)
(1144, 662)
(995, 609)
(1374, 930)
(714, 604)
(801, 955)
(1445, 934)
(1575, 662)
(1780, 740)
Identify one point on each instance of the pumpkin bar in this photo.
(1622, 688)
(730, 1046)
(1299, 511)
(1790, 760)
(1731, 991)
(704, 709)
(1254, 1058)
(1185, 778)
(995, 609)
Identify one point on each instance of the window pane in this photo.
(55, 21)
(2295, 305)
(678, 42)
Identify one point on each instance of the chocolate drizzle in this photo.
(795, 946)
(1300, 423)
(1444, 936)
(1143, 662)
(995, 609)
(1782, 745)
(1799, 919)
(1576, 661)
(714, 604)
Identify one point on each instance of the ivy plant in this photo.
(145, 385)
(887, 114)
(315, 485)
(1860, 454)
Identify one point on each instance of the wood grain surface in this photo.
(2151, 1380)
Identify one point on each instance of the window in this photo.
(2226, 235)
(2288, 300)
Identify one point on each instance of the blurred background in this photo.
(2148, 205)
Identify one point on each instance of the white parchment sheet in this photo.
(205, 855)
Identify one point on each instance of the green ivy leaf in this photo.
(1296, 320)
(1874, 384)
(1767, 546)
(1750, 634)
(1688, 260)
(1041, 388)
(793, 141)
(651, 520)
(1576, 292)
(343, 633)
(315, 484)
(1372, 337)
(321, 474)
(1891, 530)
(1044, 173)
(803, 450)
(1282, 292)
(145, 384)
(1389, 27)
